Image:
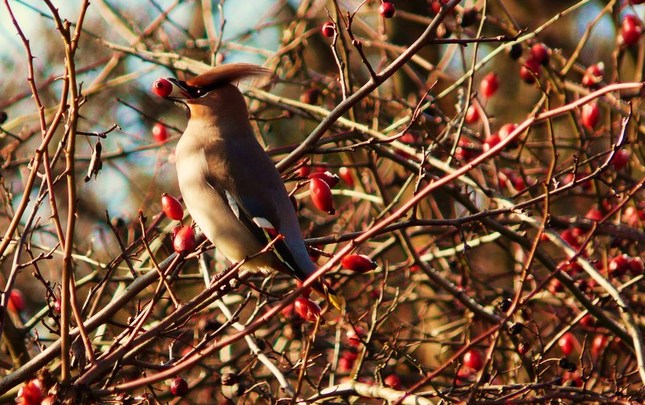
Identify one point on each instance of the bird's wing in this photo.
(255, 217)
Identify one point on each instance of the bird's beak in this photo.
(175, 90)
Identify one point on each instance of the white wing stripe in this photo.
(232, 204)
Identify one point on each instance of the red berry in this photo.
(570, 237)
(307, 309)
(555, 286)
(16, 301)
(178, 387)
(346, 361)
(306, 292)
(588, 321)
(567, 343)
(618, 266)
(408, 138)
(287, 311)
(171, 207)
(184, 241)
(465, 151)
(505, 131)
(31, 393)
(355, 336)
(328, 177)
(631, 29)
(636, 266)
(321, 195)
(598, 344)
(435, 6)
(572, 268)
(594, 214)
(540, 54)
(162, 88)
(472, 114)
(393, 381)
(523, 348)
(489, 85)
(491, 141)
(473, 359)
(590, 115)
(530, 70)
(593, 75)
(574, 377)
(620, 159)
(304, 171)
(347, 176)
(631, 217)
(160, 132)
(358, 263)
(507, 176)
(328, 29)
(350, 355)
(387, 9)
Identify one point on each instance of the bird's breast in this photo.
(210, 210)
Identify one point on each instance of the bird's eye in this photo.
(162, 88)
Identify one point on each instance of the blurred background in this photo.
(411, 323)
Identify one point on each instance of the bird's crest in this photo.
(229, 73)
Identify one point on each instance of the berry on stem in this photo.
(321, 195)
(355, 336)
(172, 207)
(178, 387)
(393, 381)
(473, 359)
(159, 132)
(620, 159)
(631, 30)
(590, 115)
(16, 301)
(593, 75)
(489, 85)
(347, 176)
(491, 141)
(328, 177)
(31, 393)
(358, 263)
(184, 240)
(540, 53)
(567, 343)
(328, 29)
(530, 70)
(506, 130)
(618, 266)
(306, 309)
(472, 114)
(387, 9)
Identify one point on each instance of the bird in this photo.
(228, 182)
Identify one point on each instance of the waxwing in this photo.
(229, 184)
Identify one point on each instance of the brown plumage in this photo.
(229, 184)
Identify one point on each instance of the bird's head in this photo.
(217, 77)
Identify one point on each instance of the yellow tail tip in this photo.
(336, 300)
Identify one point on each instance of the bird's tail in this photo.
(334, 299)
